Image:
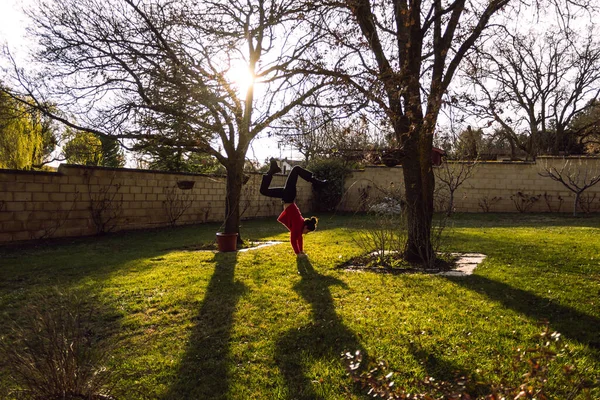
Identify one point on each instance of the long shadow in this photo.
(547, 255)
(571, 323)
(69, 260)
(203, 371)
(445, 371)
(324, 338)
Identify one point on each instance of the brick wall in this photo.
(79, 201)
(35, 205)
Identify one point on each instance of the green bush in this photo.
(335, 172)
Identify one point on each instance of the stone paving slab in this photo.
(466, 264)
(260, 246)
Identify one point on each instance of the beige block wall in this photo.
(504, 180)
(376, 181)
(489, 180)
(36, 205)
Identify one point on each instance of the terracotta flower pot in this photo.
(227, 241)
(185, 185)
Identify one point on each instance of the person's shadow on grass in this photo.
(203, 371)
(323, 340)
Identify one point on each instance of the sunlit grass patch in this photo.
(183, 322)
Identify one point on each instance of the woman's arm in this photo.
(297, 241)
(292, 219)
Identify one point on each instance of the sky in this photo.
(12, 24)
(12, 31)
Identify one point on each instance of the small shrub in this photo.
(523, 201)
(575, 176)
(176, 203)
(55, 222)
(441, 199)
(586, 202)
(364, 195)
(53, 353)
(548, 198)
(248, 202)
(452, 175)
(383, 240)
(486, 203)
(106, 206)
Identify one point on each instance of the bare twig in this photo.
(486, 203)
(175, 204)
(105, 207)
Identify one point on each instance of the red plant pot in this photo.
(227, 241)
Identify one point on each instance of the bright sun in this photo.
(241, 77)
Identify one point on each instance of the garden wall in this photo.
(79, 201)
(493, 183)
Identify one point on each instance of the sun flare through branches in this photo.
(241, 77)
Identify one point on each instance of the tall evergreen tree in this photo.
(86, 148)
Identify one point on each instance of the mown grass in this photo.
(262, 325)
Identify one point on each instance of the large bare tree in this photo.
(402, 56)
(161, 72)
(586, 127)
(533, 84)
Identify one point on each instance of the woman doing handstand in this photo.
(291, 216)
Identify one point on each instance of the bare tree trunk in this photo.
(450, 203)
(513, 149)
(419, 186)
(557, 142)
(233, 197)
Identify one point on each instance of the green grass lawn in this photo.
(182, 324)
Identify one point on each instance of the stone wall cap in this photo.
(580, 157)
(135, 170)
(28, 172)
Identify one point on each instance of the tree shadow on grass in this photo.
(325, 338)
(571, 323)
(204, 369)
(444, 371)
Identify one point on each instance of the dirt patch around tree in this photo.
(453, 264)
